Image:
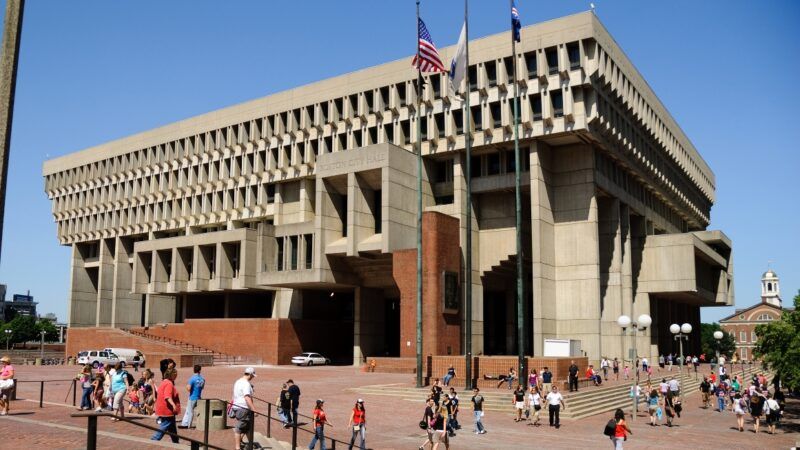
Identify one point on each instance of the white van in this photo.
(128, 355)
(97, 357)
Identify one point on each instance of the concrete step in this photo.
(262, 442)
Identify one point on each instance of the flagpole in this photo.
(468, 240)
(419, 211)
(520, 310)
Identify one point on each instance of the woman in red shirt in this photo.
(168, 405)
(319, 420)
(358, 421)
(621, 430)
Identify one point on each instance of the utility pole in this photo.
(12, 31)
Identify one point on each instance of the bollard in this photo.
(91, 434)
(194, 446)
(205, 432)
(294, 435)
(74, 392)
(269, 420)
(333, 444)
(41, 393)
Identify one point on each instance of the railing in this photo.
(175, 342)
(72, 388)
(91, 431)
(297, 426)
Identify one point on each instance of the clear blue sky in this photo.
(94, 71)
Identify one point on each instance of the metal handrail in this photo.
(91, 438)
(270, 405)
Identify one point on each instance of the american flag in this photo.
(429, 60)
(516, 25)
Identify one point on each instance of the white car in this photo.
(97, 357)
(128, 356)
(310, 359)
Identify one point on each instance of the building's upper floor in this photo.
(573, 78)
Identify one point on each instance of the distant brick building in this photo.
(742, 323)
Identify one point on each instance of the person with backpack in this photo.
(669, 408)
(773, 411)
(121, 381)
(617, 430)
(739, 406)
(756, 408)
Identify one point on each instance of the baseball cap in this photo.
(360, 401)
(250, 371)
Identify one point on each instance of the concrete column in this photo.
(626, 270)
(543, 246)
(287, 304)
(460, 200)
(125, 307)
(610, 235)
(577, 258)
(105, 282)
(82, 309)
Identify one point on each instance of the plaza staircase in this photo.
(220, 359)
(589, 401)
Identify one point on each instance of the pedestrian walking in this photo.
(534, 405)
(615, 368)
(533, 377)
(120, 384)
(195, 389)
(294, 396)
(148, 391)
(518, 400)
(454, 409)
(168, 405)
(555, 402)
(429, 421)
(85, 380)
(670, 359)
(547, 380)
(446, 410)
(604, 367)
(621, 429)
(721, 393)
(242, 408)
(705, 391)
(669, 408)
(645, 366)
(98, 393)
(573, 377)
(674, 386)
(739, 407)
(436, 392)
(358, 420)
(627, 372)
(652, 406)
(477, 410)
(773, 412)
(110, 371)
(661, 362)
(6, 384)
(284, 406)
(756, 408)
(318, 421)
(135, 403)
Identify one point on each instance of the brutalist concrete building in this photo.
(293, 217)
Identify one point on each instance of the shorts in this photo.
(242, 416)
(652, 409)
(519, 405)
(616, 369)
(136, 405)
(118, 399)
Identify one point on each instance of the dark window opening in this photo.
(536, 106)
(473, 78)
(436, 84)
(354, 104)
(509, 63)
(439, 119)
(270, 193)
(424, 127)
(328, 141)
(377, 211)
(296, 114)
(493, 164)
(444, 171)
(401, 92)
(384, 91)
(557, 97)
(369, 97)
(574, 54)
(458, 119)
(308, 242)
(279, 248)
(475, 112)
(357, 139)
(293, 253)
(511, 162)
(389, 131)
(475, 167)
(444, 199)
(337, 108)
(406, 128)
(373, 135)
(552, 60)
(497, 115)
(491, 73)
(301, 153)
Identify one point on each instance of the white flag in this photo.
(458, 67)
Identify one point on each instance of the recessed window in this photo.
(497, 115)
(574, 54)
(491, 73)
(557, 97)
(473, 78)
(493, 166)
(536, 106)
(551, 54)
(742, 336)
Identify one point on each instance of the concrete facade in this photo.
(302, 205)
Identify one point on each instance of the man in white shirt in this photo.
(604, 367)
(674, 386)
(242, 406)
(555, 401)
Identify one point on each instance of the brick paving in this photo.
(392, 422)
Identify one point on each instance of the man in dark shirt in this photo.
(285, 403)
(294, 397)
(477, 407)
(547, 380)
(705, 388)
(573, 377)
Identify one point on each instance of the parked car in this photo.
(128, 355)
(97, 357)
(310, 359)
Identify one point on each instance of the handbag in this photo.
(423, 423)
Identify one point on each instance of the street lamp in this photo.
(8, 336)
(718, 335)
(41, 346)
(642, 323)
(681, 332)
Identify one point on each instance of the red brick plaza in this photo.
(391, 421)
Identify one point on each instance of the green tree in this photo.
(23, 329)
(778, 345)
(708, 344)
(50, 330)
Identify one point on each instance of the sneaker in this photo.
(482, 432)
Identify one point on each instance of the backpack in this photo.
(130, 378)
(611, 428)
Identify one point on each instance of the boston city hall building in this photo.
(289, 223)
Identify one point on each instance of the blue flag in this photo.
(516, 25)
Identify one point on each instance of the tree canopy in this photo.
(778, 345)
(26, 329)
(709, 346)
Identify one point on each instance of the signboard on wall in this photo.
(450, 296)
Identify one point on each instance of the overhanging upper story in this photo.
(230, 165)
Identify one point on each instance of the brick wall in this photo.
(98, 338)
(441, 252)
